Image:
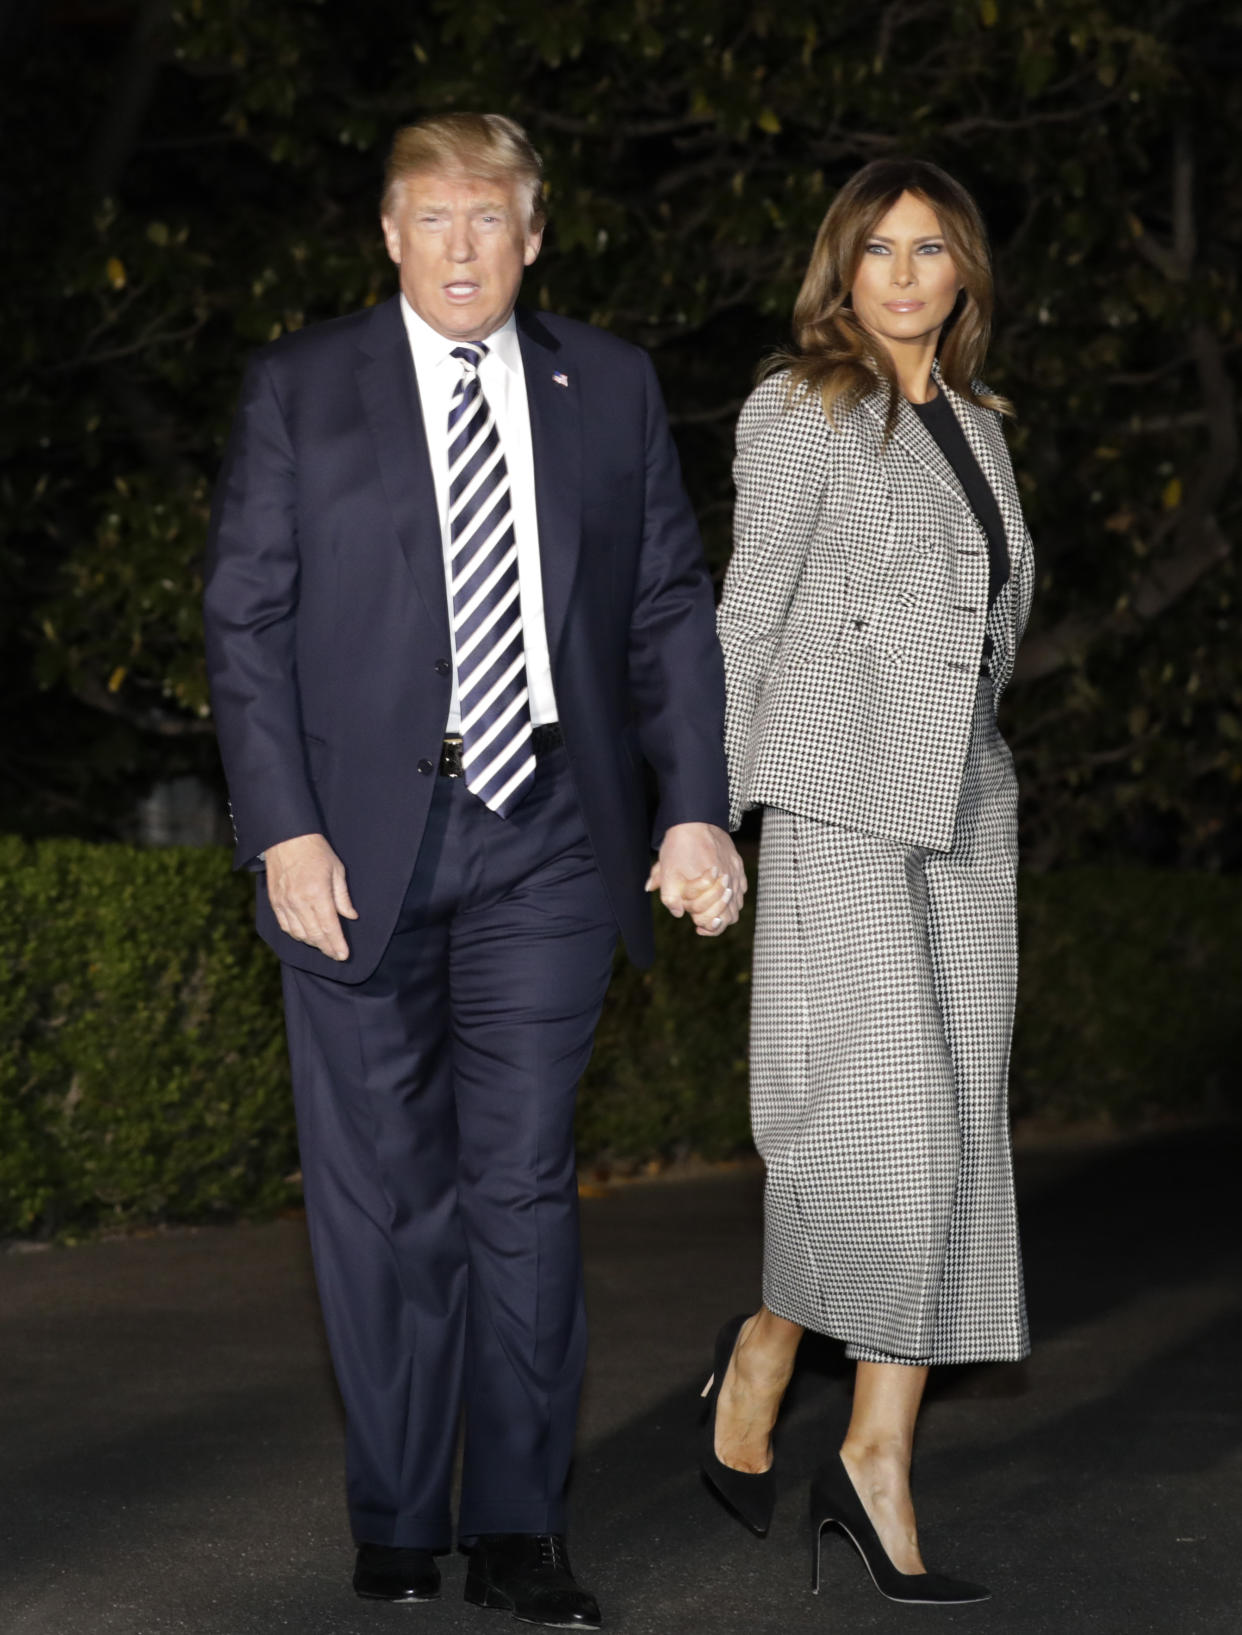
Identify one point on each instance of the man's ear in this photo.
(534, 243)
(392, 239)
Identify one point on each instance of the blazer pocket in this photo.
(899, 623)
(811, 647)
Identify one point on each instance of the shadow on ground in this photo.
(172, 1438)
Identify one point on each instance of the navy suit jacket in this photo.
(327, 615)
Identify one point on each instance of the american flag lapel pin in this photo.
(560, 379)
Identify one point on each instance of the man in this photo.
(455, 599)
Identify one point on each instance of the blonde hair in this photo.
(484, 147)
(834, 355)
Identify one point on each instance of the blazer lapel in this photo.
(389, 392)
(552, 396)
(915, 438)
(987, 444)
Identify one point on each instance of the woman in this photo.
(879, 587)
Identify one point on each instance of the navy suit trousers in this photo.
(435, 1107)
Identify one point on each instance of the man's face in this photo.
(461, 246)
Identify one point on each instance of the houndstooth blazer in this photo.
(854, 612)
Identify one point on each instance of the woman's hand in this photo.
(700, 873)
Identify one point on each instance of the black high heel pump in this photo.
(835, 1503)
(751, 1497)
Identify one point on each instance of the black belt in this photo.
(543, 738)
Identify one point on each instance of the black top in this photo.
(943, 424)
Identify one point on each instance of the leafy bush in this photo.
(1128, 999)
(668, 1075)
(142, 1061)
(142, 1064)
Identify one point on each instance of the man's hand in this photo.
(306, 888)
(699, 873)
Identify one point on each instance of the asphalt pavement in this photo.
(170, 1438)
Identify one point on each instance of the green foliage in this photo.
(1128, 997)
(143, 1075)
(669, 1075)
(692, 147)
(142, 1064)
(140, 581)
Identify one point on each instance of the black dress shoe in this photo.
(528, 1574)
(751, 1497)
(835, 1503)
(387, 1572)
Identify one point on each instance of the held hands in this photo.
(307, 890)
(699, 873)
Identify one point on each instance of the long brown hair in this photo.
(834, 355)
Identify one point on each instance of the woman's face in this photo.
(906, 282)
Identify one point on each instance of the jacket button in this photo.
(443, 667)
(426, 768)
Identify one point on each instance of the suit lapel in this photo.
(389, 392)
(917, 441)
(987, 444)
(552, 396)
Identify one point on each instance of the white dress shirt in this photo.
(504, 386)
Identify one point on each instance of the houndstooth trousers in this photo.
(882, 1014)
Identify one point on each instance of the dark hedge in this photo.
(143, 1074)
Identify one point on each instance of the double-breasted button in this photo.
(426, 768)
(443, 667)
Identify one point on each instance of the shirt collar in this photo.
(431, 349)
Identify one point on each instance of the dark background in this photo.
(182, 182)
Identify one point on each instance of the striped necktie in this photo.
(496, 752)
